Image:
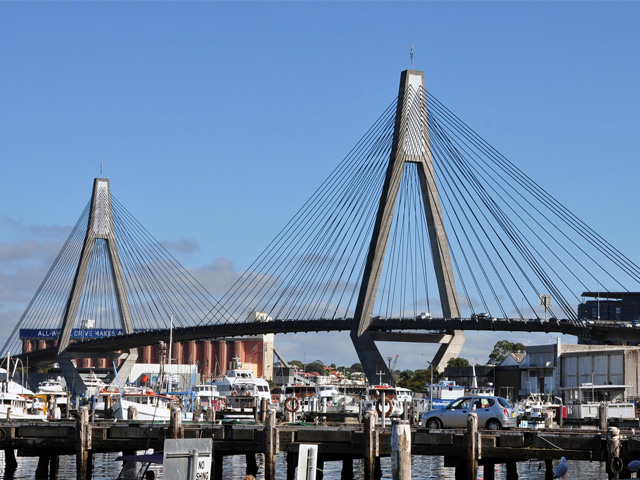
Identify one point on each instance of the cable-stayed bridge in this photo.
(422, 215)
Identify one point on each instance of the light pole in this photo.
(430, 386)
(422, 360)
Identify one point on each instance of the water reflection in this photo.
(105, 467)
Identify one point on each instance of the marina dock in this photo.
(464, 449)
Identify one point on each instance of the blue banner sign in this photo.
(54, 333)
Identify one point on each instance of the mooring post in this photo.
(512, 470)
(270, 446)
(400, 450)
(10, 461)
(292, 463)
(132, 412)
(614, 463)
(548, 469)
(83, 444)
(471, 446)
(370, 420)
(602, 416)
(175, 423)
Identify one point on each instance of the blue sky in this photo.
(216, 120)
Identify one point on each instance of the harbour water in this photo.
(105, 467)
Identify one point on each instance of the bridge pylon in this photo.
(99, 227)
(410, 145)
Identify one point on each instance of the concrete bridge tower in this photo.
(99, 227)
(410, 145)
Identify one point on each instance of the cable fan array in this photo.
(157, 287)
(509, 243)
(509, 240)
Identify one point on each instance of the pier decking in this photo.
(463, 449)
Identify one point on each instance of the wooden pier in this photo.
(464, 449)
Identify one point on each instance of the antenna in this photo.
(411, 54)
(101, 165)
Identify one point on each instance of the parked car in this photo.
(494, 413)
(479, 316)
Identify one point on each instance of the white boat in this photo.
(53, 388)
(94, 385)
(239, 381)
(150, 405)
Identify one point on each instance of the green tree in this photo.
(418, 381)
(296, 363)
(356, 367)
(503, 348)
(458, 362)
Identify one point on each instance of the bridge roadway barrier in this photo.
(463, 449)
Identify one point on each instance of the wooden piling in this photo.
(10, 461)
(548, 469)
(377, 469)
(42, 470)
(548, 419)
(175, 423)
(369, 454)
(489, 471)
(217, 465)
(83, 444)
(211, 414)
(54, 465)
(292, 463)
(512, 470)
(320, 467)
(602, 416)
(614, 463)
(401, 450)
(264, 405)
(471, 446)
(270, 446)
(252, 465)
(347, 469)
(132, 412)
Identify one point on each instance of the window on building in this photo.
(618, 313)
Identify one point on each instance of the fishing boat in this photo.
(206, 395)
(395, 400)
(14, 406)
(150, 405)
